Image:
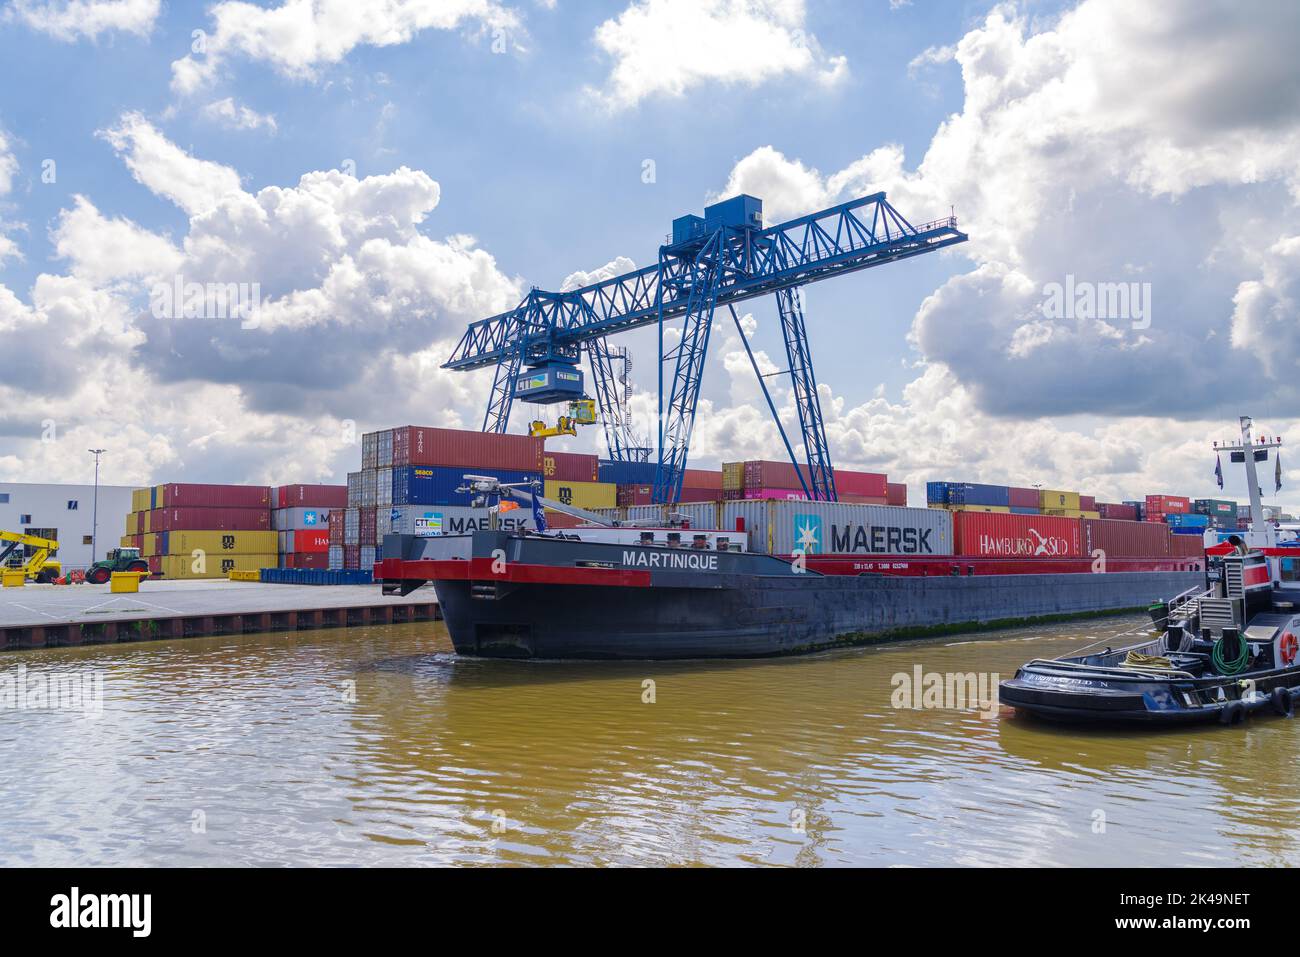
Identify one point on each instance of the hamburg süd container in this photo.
(1115, 510)
(482, 452)
(304, 540)
(996, 535)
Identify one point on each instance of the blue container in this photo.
(627, 473)
(1186, 530)
(936, 493)
(436, 485)
(1024, 510)
(964, 493)
(556, 382)
(1191, 521)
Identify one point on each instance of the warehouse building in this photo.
(66, 514)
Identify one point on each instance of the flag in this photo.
(1218, 470)
(539, 519)
(1277, 471)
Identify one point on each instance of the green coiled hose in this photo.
(1237, 664)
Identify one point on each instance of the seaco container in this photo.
(570, 467)
(836, 528)
(217, 519)
(309, 496)
(187, 495)
(1007, 535)
(1119, 538)
(420, 485)
(463, 449)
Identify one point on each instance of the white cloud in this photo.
(667, 47)
(102, 250)
(236, 116)
(299, 37)
(195, 185)
(73, 19)
(8, 165)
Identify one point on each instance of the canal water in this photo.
(380, 746)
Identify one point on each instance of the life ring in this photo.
(1288, 648)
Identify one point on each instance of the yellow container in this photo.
(12, 578)
(1053, 498)
(1086, 514)
(221, 543)
(238, 576)
(123, 583)
(215, 565)
(158, 497)
(733, 476)
(583, 494)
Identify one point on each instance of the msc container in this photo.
(965, 493)
(484, 451)
(214, 565)
(627, 473)
(833, 528)
(1115, 510)
(1023, 498)
(223, 519)
(422, 485)
(704, 479)
(1125, 539)
(733, 476)
(1054, 498)
(354, 489)
(896, 493)
(428, 521)
(311, 496)
(212, 542)
(582, 494)
(186, 495)
(283, 519)
(571, 467)
(979, 534)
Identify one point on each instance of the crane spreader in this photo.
(721, 258)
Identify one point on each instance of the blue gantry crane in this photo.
(716, 260)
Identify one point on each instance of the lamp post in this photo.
(94, 515)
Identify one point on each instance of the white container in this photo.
(284, 519)
(834, 528)
(428, 521)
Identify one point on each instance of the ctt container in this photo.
(186, 495)
(309, 496)
(462, 449)
(1119, 538)
(836, 528)
(424, 485)
(998, 535)
(571, 467)
(222, 519)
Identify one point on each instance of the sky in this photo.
(380, 173)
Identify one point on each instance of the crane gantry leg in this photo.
(805, 394)
(611, 399)
(679, 417)
(503, 392)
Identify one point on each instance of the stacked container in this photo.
(1158, 506)
(193, 530)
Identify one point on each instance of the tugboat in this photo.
(1218, 653)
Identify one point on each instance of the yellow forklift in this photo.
(36, 564)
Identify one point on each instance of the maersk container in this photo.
(311, 496)
(419, 485)
(283, 519)
(835, 528)
(216, 519)
(1023, 498)
(966, 493)
(428, 521)
(1005, 535)
(189, 495)
(483, 452)
(571, 467)
(354, 489)
(1118, 538)
(627, 473)
(383, 487)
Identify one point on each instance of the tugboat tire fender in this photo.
(1282, 702)
(1234, 712)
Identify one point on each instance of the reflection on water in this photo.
(379, 746)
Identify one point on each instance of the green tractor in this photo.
(117, 560)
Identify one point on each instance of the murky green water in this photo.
(379, 746)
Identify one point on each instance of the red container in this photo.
(786, 494)
(702, 479)
(139, 523)
(571, 467)
(764, 474)
(336, 526)
(211, 519)
(1022, 497)
(311, 496)
(155, 564)
(1006, 535)
(896, 494)
(419, 445)
(869, 484)
(351, 556)
(311, 540)
(561, 520)
(1087, 503)
(1186, 546)
(309, 560)
(187, 495)
(367, 531)
(863, 500)
(1166, 504)
(1121, 539)
(644, 495)
(1116, 510)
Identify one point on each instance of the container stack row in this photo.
(761, 479)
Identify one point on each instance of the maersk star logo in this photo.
(808, 533)
(309, 518)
